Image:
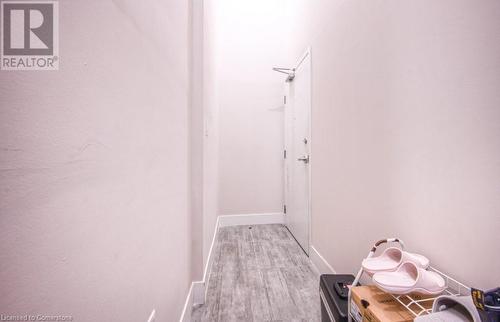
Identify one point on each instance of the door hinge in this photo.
(284, 154)
(284, 99)
(284, 209)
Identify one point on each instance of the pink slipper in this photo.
(409, 278)
(391, 259)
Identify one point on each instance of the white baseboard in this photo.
(152, 316)
(320, 263)
(198, 290)
(251, 219)
(210, 259)
(188, 306)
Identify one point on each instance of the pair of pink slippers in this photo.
(399, 272)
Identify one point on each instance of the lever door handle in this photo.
(304, 159)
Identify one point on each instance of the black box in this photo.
(333, 296)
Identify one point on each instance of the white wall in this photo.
(210, 127)
(94, 168)
(197, 139)
(251, 38)
(405, 130)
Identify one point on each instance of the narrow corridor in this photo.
(260, 273)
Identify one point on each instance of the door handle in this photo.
(304, 159)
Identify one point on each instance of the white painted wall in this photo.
(197, 139)
(250, 39)
(405, 130)
(210, 127)
(94, 168)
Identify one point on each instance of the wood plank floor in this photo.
(260, 273)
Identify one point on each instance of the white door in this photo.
(298, 153)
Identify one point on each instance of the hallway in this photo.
(259, 273)
(169, 161)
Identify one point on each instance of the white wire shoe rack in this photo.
(421, 306)
(417, 305)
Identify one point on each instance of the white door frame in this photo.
(309, 170)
